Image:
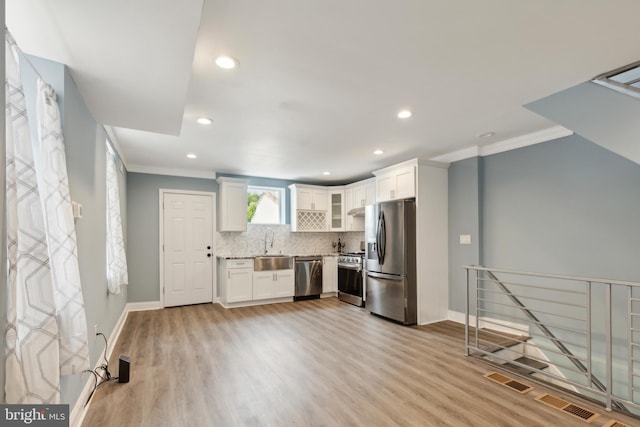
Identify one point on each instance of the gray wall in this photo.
(143, 229)
(464, 218)
(86, 158)
(566, 206)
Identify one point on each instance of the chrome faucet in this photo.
(273, 236)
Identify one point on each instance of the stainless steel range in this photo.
(350, 279)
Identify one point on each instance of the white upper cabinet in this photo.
(232, 204)
(357, 196)
(336, 210)
(395, 183)
(311, 199)
(309, 208)
(364, 193)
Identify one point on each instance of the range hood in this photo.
(356, 211)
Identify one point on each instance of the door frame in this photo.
(214, 277)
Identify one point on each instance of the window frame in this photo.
(282, 205)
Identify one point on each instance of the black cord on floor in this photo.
(105, 376)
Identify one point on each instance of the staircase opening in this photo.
(624, 79)
(559, 331)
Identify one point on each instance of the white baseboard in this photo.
(143, 306)
(436, 321)
(79, 411)
(490, 323)
(256, 302)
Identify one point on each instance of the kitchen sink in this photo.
(272, 262)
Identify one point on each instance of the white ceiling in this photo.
(320, 82)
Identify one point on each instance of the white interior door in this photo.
(188, 249)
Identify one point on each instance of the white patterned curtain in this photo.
(116, 258)
(61, 235)
(32, 355)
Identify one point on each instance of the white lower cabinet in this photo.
(235, 280)
(329, 274)
(240, 285)
(285, 285)
(273, 284)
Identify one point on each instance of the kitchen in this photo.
(341, 208)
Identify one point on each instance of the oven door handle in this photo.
(350, 267)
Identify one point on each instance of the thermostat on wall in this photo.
(77, 210)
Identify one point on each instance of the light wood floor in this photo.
(309, 363)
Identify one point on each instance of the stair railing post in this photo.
(589, 375)
(477, 338)
(630, 343)
(609, 367)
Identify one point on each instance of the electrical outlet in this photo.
(95, 329)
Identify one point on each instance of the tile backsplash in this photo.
(251, 242)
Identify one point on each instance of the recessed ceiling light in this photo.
(204, 120)
(404, 114)
(226, 62)
(192, 156)
(486, 135)
(378, 152)
(326, 173)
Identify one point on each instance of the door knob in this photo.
(208, 247)
(209, 255)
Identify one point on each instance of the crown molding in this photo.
(455, 156)
(525, 140)
(187, 173)
(505, 145)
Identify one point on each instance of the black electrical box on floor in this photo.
(123, 370)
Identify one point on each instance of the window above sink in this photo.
(265, 205)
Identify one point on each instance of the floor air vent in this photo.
(509, 382)
(569, 408)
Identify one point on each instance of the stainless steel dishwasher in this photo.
(308, 270)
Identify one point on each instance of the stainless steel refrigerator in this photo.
(390, 260)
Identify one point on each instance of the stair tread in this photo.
(518, 369)
(532, 363)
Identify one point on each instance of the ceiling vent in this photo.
(624, 79)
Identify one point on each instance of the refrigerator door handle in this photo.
(378, 225)
(383, 237)
(386, 276)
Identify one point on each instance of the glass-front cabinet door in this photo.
(336, 210)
